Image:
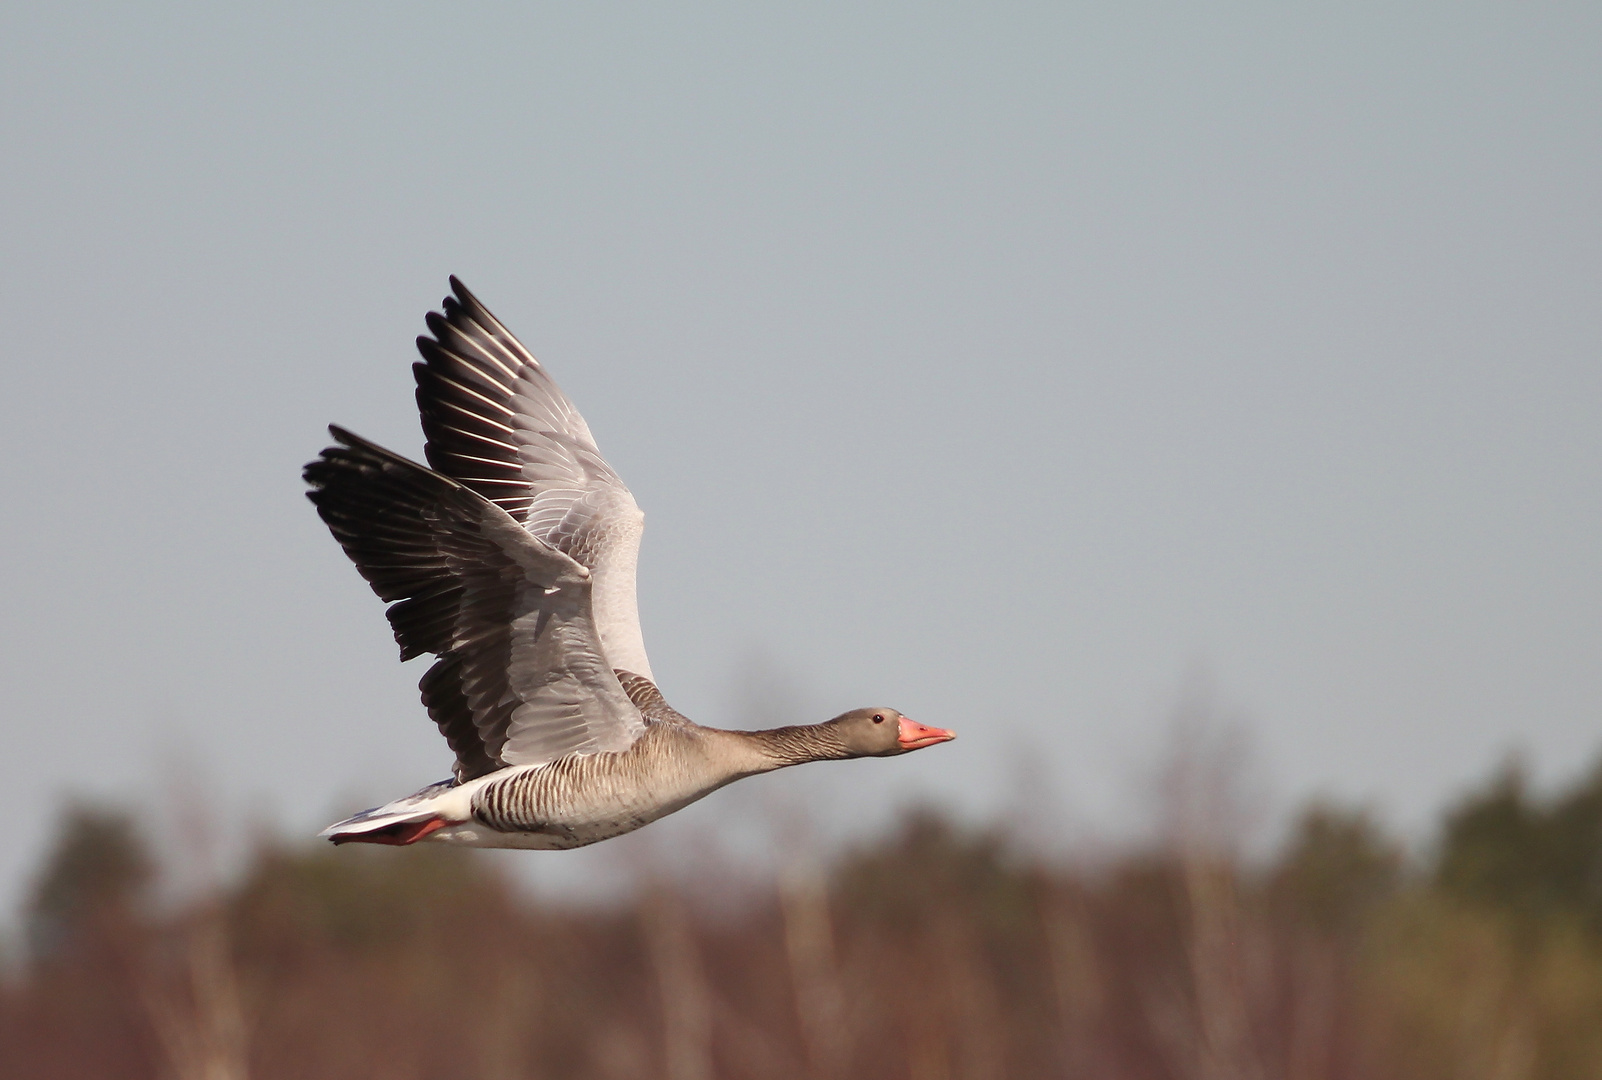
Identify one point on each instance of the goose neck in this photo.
(780, 747)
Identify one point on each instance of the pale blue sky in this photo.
(1002, 364)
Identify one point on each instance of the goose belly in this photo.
(575, 801)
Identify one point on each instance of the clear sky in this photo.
(1010, 365)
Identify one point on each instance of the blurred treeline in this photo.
(935, 953)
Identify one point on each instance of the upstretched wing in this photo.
(522, 677)
(497, 423)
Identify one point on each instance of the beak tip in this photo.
(915, 736)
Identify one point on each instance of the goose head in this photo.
(882, 732)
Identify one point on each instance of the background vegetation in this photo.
(936, 952)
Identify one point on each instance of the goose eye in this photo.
(878, 718)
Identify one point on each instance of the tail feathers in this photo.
(393, 832)
(404, 821)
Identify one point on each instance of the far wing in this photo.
(497, 423)
(521, 677)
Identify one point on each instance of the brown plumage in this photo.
(512, 561)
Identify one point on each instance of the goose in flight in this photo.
(511, 560)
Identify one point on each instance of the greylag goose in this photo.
(511, 559)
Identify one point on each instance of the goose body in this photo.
(511, 558)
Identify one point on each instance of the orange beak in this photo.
(914, 736)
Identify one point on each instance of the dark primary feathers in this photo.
(521, 677)
(496, 421)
